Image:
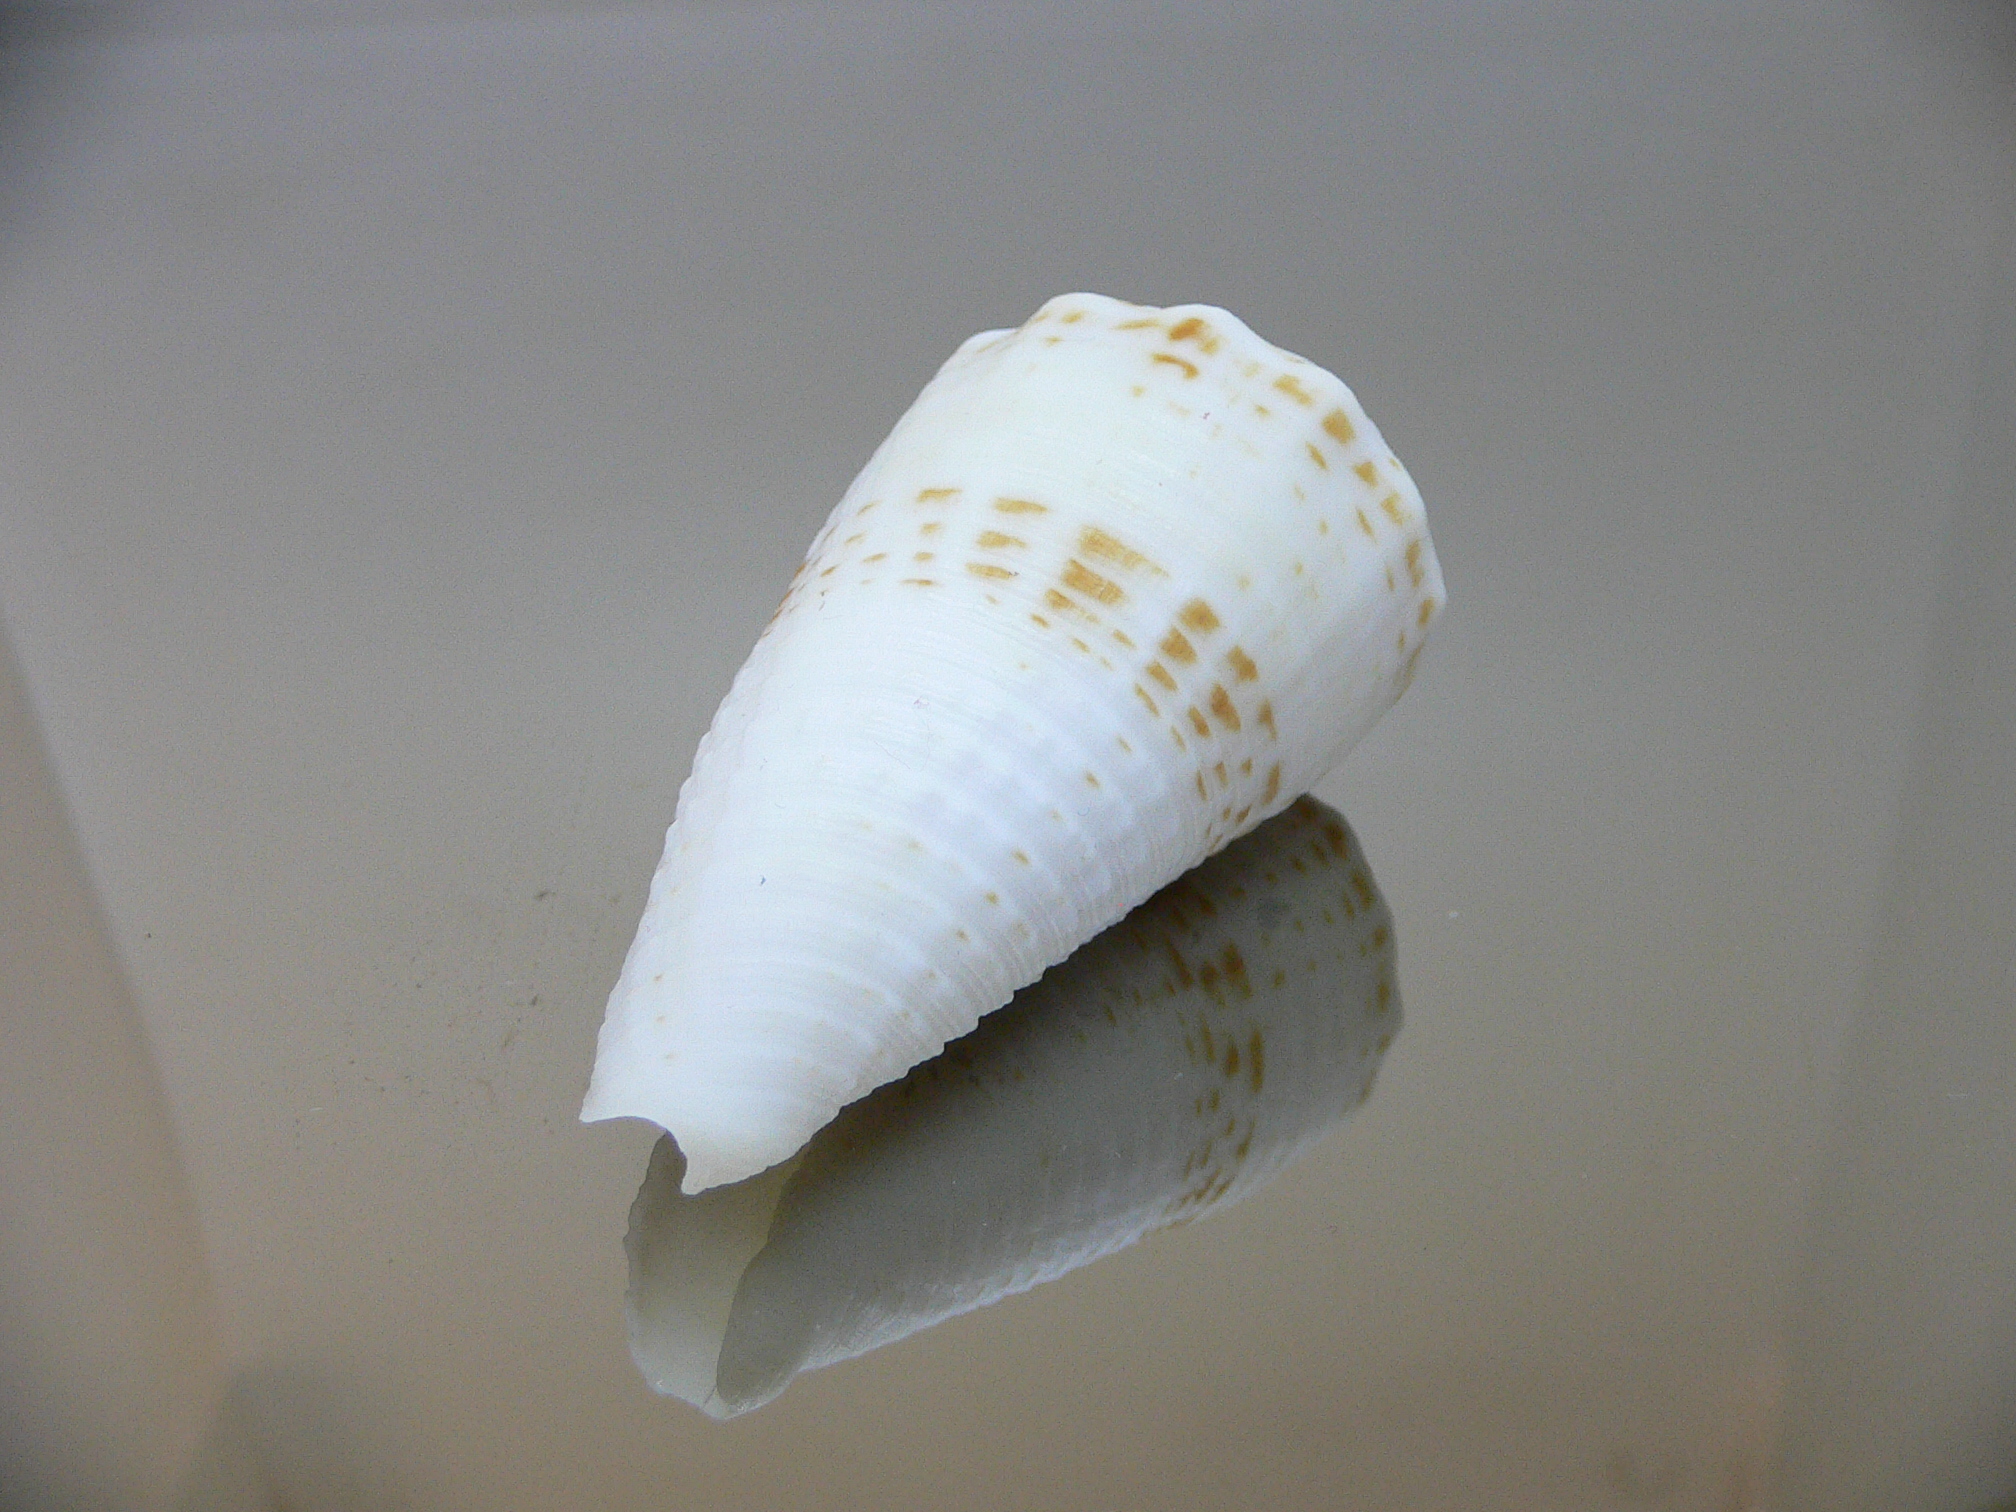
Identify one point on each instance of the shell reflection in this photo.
(1171, 1066)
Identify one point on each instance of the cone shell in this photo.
(1119, 586)
(1170, 1067)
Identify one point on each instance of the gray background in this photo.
(409, 415)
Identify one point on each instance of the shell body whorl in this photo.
(1121, 584)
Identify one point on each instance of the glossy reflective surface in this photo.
(1172, 1066)
(406, 427)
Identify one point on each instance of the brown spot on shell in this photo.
(1317, 456)
(1273, 785)
(1198, 616)
(1199, 723)
(935, 495)
(1189, 368)
(1339, 428)
(1414, 572)
(1394, 510)
(1369, 473)
(989, 570)
(1241, 665)
(1102, 547)
(1265, 714)
(1286, 384)
(1221, 707)
(1194, 329)
(1065, 605)
(1427, 609)
(995, 540)
(1082, 579)
(1161, 674)
(1177, 648)
(1146, 323)
(1020, 506)
(1142, 694)
(1235, 970)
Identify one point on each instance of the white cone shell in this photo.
(1121, 584)
(1170, 1067)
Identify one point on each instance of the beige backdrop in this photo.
(409, 414)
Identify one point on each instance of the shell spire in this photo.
(1120, 585)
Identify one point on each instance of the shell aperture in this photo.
(1170, 1067)
(1119, 586)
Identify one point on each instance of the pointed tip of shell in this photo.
(728, 1120)
(709, 1162)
